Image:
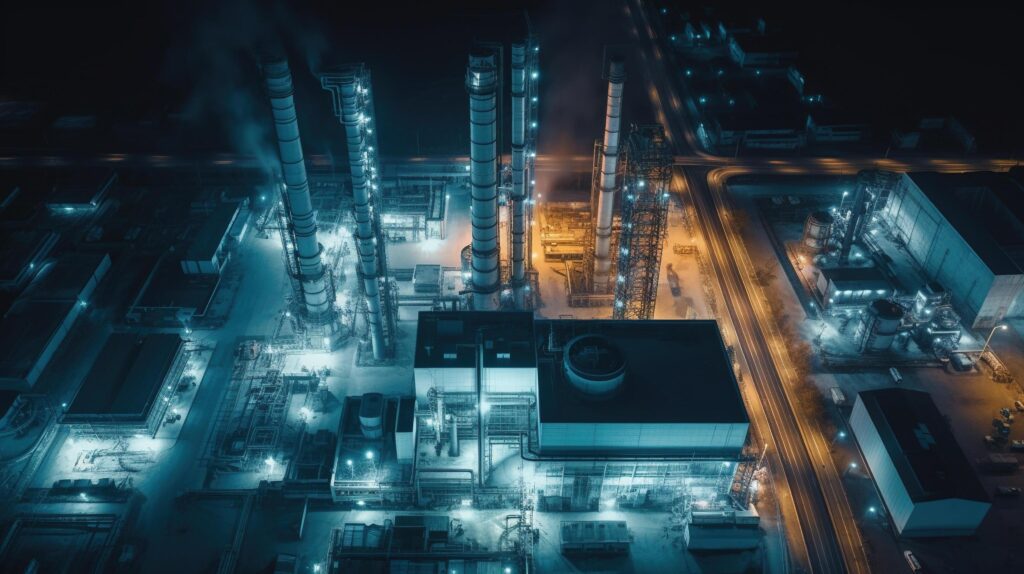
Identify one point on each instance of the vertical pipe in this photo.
(453, 438)
(365, 234)
(609, 164)
(853, 222)
(278, 80)
(518, 165)
(481, 83)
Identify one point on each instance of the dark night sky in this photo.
(135, 59)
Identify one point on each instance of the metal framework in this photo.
(644, 215)
(353, 106)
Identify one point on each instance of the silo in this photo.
(594, 365)
(880, 324)
(817, 230)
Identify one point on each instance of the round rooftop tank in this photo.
(371, 415)
(817, 230)
(880, 325)
(594, 365)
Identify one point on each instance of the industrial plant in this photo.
(550, 287)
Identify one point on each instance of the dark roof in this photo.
(406, 414)
(25, 331)
(676, 372)
(856, 277)
(168, 287)
(66, 278)
(82, 187)
(7, 399)
(921, 446)
(126, 377)
(455, 333)
(211, 234)
(985, 208)
(19, 248)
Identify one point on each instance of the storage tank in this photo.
(879, 325)
(817, 230)
(371, 415)
(594, 365)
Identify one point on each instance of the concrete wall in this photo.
(950, 517)
(722, 437)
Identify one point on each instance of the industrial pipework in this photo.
(481, 83)
(609, 165)
(518, 180)
(302, 218)
(346, 89)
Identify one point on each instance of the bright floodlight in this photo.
(369, 455)
(361, 503)
(270, 462)
(853, 465)
(348, 462)
(871, 509)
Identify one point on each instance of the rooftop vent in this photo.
(594, 365)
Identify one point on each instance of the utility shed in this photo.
(925, 480)
(637, 387)
(207, 253)
(82, 189)
(966, 231)
(127, 385)
(857, 286)
(449, 344)
(72, 277)
(723, 530)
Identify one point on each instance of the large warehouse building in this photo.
(965, 230)
(927, 483)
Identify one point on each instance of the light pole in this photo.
(1001, 327)
(843, 200)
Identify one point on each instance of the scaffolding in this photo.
(644, 214)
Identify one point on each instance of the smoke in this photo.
(218, 59)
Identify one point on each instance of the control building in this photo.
(926, 482)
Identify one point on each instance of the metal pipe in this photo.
(365, 235)
(518, 166)
(481, 83)
(278, 80)
(854, 220)
(609, 165)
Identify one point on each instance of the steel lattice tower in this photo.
(644, 213)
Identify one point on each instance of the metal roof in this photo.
(921, 446)
(450, 338)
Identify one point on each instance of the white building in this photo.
(965, 231)
(926, 482)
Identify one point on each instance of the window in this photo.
(504, 355)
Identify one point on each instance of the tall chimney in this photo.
(481, 82)
(278, 79)
(518, 181)
(345, 87)
(609, 164)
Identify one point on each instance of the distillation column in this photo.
(364, 233)
(609, 165)
(518, 166)
(481, 82)
(278, 79)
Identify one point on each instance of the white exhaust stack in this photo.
(278, 80)
(518, 167)
(609, 165)
(481, 83)
(347, 90)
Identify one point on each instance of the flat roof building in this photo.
(208, 251)
(22, 252)
(852, 286)
(966, 231)
(172, 298)
(81, 190)
(925, 480)
(127, 388)
(637, 387)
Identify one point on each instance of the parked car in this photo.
(1007, 491)
(1017, 445)
(915, 566)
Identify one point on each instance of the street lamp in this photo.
(1001, 327)
(841, 201)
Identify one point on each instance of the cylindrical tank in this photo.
(879, 325)
(594, 365)
(371, 415)
(817, 230)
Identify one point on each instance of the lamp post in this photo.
(1001, 327)
(843, 200)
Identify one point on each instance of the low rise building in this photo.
(852, 286)
(926, 482)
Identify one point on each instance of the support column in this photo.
(609, 165)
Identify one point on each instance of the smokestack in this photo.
(481, 82)
(609, 164)
(453, 439)
(518, 166)
(278, 79)
(346, 88)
